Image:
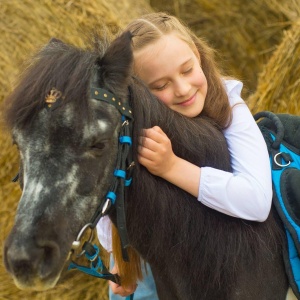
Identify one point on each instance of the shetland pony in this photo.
(67, 158)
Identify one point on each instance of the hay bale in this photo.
(25, 26)
(245, 33)
(278, 84)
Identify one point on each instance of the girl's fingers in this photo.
(148, 143)
(122, 291)
(146, 154)
(155, 133)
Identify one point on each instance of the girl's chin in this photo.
(191, 111)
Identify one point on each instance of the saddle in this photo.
(282, 136)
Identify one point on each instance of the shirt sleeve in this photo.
(104, 233)
(246, 192)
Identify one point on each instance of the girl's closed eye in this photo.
(161, 87)
(188, 71)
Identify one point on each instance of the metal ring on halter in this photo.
(76, 243)
(277, 163)
(126, 122)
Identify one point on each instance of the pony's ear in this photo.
(55, 41)
(116, 63)
(52, 43)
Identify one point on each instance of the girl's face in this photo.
(172, 72)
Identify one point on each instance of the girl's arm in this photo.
(246, 192)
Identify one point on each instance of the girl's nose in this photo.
(182, 88)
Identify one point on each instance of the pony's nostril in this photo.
(51, 254)
(18, 262)
(36, 260)
(22, 269)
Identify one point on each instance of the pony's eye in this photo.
(98, 146)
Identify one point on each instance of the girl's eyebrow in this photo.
(183, 64)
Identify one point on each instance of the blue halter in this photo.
(114, 197)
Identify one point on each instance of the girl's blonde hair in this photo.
(149, 28)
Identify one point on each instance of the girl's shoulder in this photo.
(233, 89)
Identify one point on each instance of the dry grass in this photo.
(253, 37)
(278, 87)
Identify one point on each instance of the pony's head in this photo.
(68, 145)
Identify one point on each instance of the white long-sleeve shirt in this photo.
(246, 192)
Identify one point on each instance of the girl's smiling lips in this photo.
(189, 101)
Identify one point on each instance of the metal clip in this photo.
(132, 164)
(106, 206)
(76, 243)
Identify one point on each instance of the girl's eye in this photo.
(162, 87)
(188, 71)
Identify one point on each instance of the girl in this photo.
(179, 69)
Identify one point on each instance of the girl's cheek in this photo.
(160, 95)
(166, 98)
(163, 96)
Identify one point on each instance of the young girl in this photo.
(179, 69)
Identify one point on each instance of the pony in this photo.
(67, 158)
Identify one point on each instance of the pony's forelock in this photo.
(57, 65)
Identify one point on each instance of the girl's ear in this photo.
(115, 65)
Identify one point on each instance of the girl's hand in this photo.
(119, 289)
(155, 151)
(156, 154)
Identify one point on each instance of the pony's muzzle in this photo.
(32, 265)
